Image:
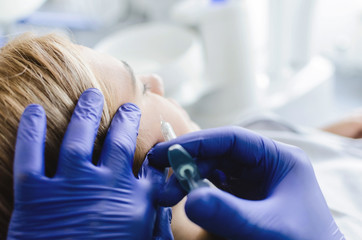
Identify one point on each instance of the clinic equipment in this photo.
(289, 37)
(226, 33)
(183, 165)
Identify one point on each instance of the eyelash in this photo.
(146, 87)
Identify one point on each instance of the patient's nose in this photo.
(155, 83)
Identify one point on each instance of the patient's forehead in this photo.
(113, 73)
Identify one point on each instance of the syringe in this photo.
(183, 165)
(167, 131)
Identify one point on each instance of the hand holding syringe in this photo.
(184, 167)
(265, 177)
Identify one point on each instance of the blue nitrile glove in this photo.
(162, 230)
(277, 194)
(83, 201)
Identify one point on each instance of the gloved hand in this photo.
(162, 230)
(83, 201)
(276, 194)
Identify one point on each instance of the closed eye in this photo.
(146, 87)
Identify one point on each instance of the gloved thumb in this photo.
(226, 215)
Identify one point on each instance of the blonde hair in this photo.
(49, 71)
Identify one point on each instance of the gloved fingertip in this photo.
(132, 111)
(129, 115)
(88, 110)
(130, 107)
(151, 157)
(34, 109)
(32, 122)
(158, 158)
(91, 96)
(92, 90)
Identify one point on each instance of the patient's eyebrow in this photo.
(131, 73)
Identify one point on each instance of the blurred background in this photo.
(221, 59)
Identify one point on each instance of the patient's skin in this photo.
(147, 93)
(349, 126)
